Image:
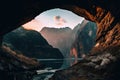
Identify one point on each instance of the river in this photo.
(52, 65)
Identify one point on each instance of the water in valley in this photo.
(52, 65)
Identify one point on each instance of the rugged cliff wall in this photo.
(84, 37)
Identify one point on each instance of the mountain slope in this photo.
(31, 43)
(59, 38)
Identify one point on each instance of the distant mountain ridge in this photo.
(58, 37)
(65, 38)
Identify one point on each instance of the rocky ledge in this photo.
(100, 66)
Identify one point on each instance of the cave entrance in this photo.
(62, 29)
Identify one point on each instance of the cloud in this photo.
(59, 20)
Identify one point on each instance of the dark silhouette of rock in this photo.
(31, 43)
(20, 50)
(14, 65)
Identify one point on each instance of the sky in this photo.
(57, 18)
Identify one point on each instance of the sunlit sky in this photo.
(57, 18)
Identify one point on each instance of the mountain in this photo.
(31, 44)
(72, 43)
(84, 38)
(80, 26)
(59, 38)
(81, 38)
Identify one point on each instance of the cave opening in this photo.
(71, 37)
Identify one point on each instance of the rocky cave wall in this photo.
(104, 13)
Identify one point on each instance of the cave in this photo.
(69, 33)
(103, 61)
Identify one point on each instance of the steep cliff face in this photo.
(85, 37)
(104, 12)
